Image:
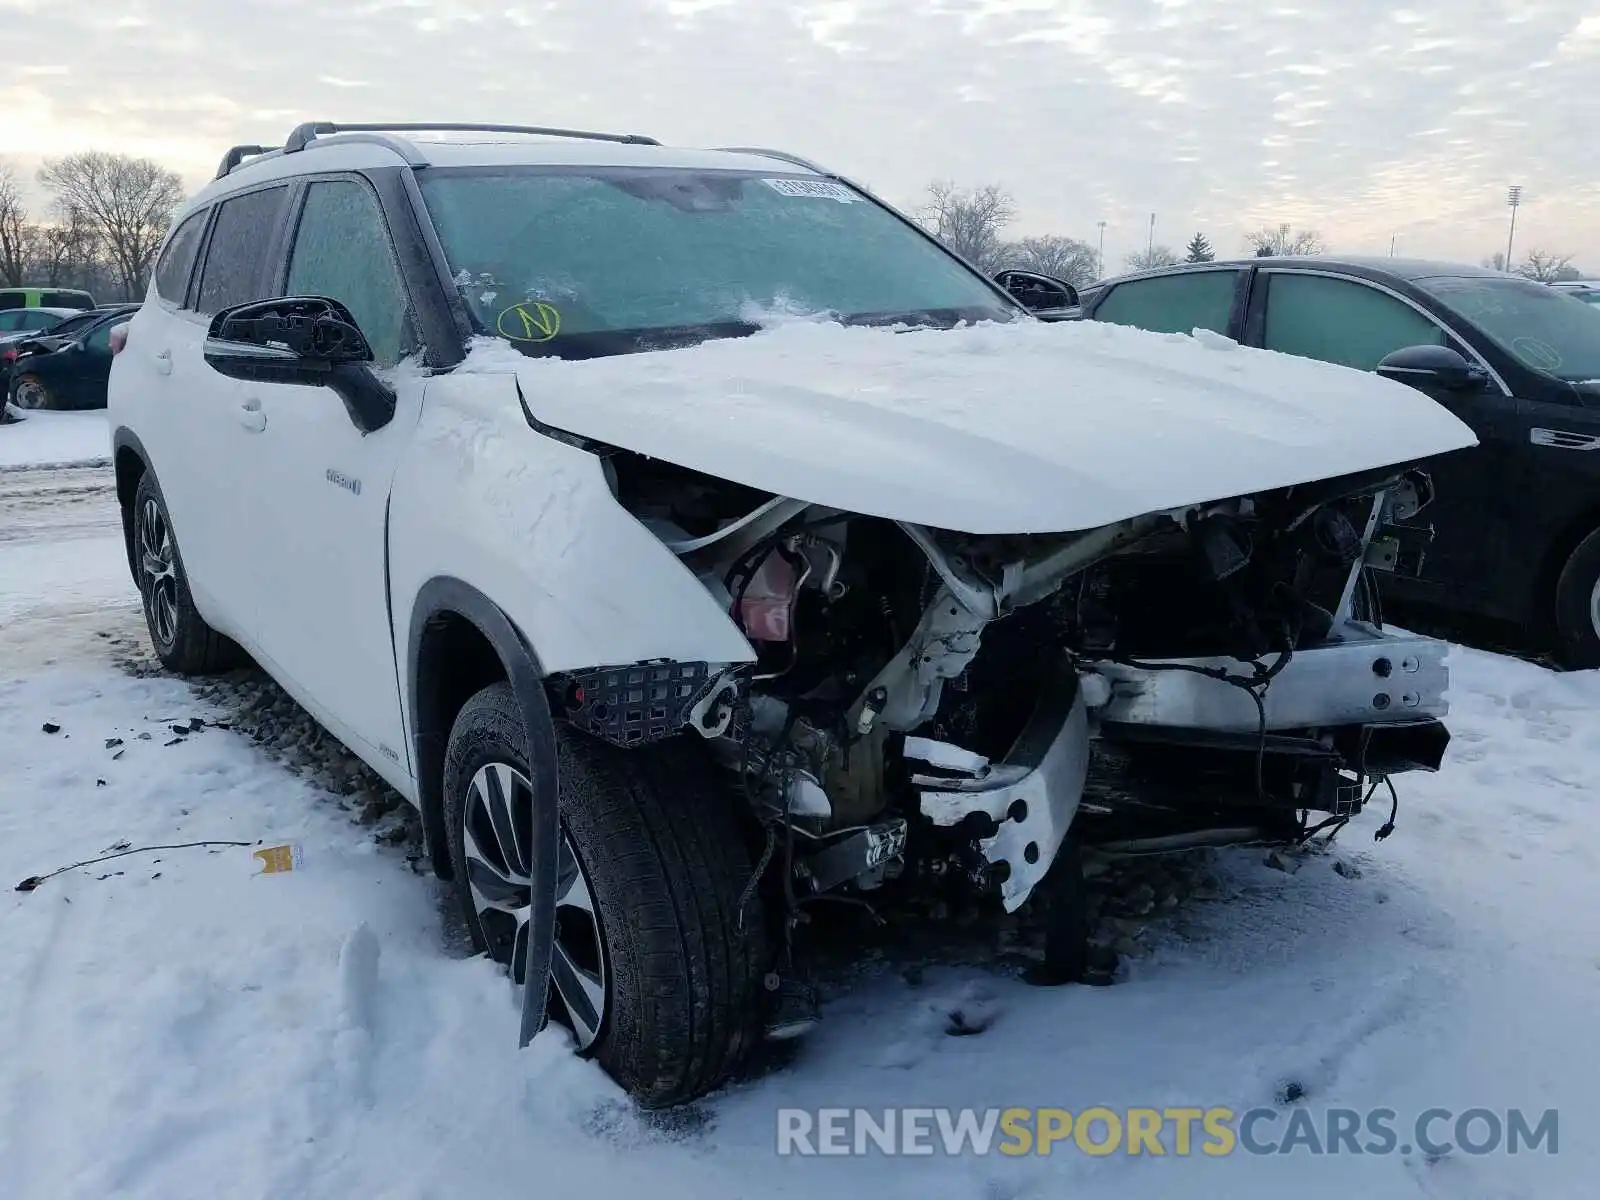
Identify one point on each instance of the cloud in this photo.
(1365, 121)
(1584, 39)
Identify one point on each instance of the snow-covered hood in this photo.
(1020, 428)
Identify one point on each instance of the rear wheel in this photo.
(653, 970)
(1578, 605)
(183, 641)
(30, 393)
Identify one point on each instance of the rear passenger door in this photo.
(1181, 302)
(195, 425)
(1356, 323)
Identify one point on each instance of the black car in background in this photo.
(1517, 518)
(67, 365)
(19, 325)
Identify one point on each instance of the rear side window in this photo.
(11, 321)
(1341, 321)
(66, 300)
(177, 260)
(238, 249)
(1173, 303)
(9, 300)
(32, 318)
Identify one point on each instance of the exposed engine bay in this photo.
(925, 702)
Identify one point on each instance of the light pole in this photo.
(1150, 246)
(1100, 253)
(1514, 199)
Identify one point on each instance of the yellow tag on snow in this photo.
(277, 859)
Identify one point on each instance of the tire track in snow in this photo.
(32, 1084)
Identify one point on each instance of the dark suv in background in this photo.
(1517, 519)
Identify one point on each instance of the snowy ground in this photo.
(40, 438)
(174, 1025)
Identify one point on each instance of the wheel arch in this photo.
(1557, 553)
(129, 462)
(459, 642)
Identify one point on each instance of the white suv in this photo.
(693, 539)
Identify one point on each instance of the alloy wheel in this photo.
(496, 841)
(31, 394)
(158, 562)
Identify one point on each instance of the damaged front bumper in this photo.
(1023, 805)
(1367, 701)
(1366, 677)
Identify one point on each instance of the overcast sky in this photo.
(1365, 119)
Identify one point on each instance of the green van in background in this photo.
(45, 297)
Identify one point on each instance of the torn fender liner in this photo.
(1031, 797)
(634, 705)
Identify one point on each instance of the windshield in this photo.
(1541, 327)
(595, 261)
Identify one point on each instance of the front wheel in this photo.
(653, 969)
(1578, 605)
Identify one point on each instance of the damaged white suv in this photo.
(692, 538)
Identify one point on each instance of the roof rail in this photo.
(237, 155)
(780, 155)
(307, 133)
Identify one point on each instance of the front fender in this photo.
(531, 523)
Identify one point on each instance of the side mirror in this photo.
(1438, 367)
(306, 340)
(1042, 295)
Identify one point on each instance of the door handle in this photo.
(251, 416)
(164, 362)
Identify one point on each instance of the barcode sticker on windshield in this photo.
(813, 189)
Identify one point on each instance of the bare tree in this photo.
(969, 221)
(1545, 267)
(127, 201)
(63, 251)
(16, 232)
(1063, 257)
(1284, 240)
(1495, 261)
(1156, 256)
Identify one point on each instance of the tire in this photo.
(183, 641)
(1578, 606)
(1063, 900)
(651, 840)
(30, 394)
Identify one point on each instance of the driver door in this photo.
(323, 619)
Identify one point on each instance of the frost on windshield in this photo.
(604, 261)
